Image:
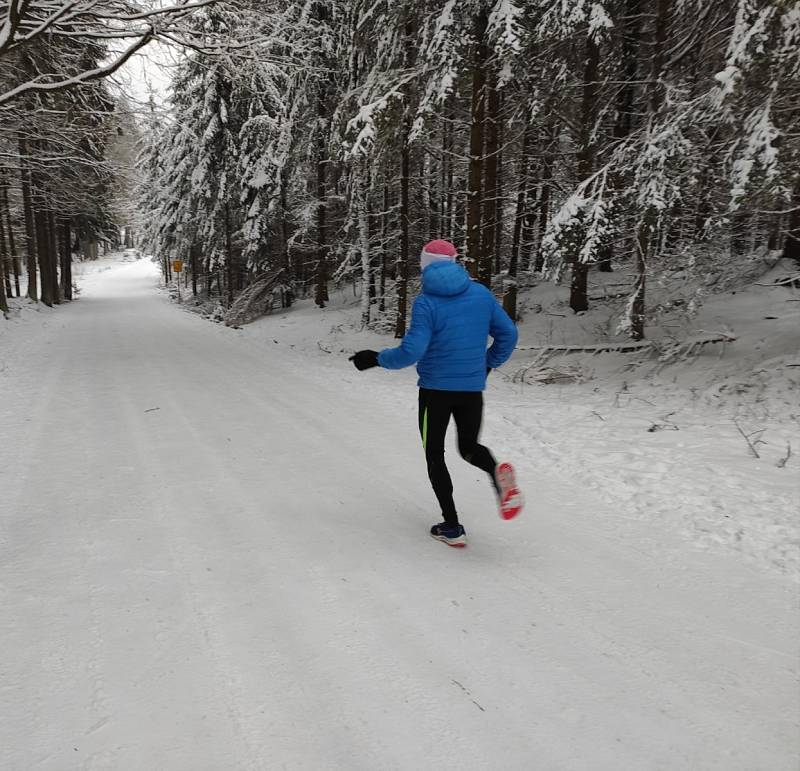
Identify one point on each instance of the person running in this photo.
(452, 320)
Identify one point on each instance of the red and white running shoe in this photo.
(511, 499)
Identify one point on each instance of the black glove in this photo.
(364, 359)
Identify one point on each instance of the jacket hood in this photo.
(444, 279)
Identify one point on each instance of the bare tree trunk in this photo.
(12, 248)
(363, 242)
(402, 260)
(528, 236)
(321, 269)
(5, 281)
(405, 168)
(322, 129)
(30, 226)
(193, 264)
(384, 247)
(791, 246)
(66, 260)
(43, 252)
(476, 139)
(373, 236)
(647, 231)
(445, 193)
(286, 261)
(430, 179)
(490, 165)
(450, 222)
(543, 209)
(625, 104)
(499, 201)
(228, 255)
(5, 219)
(5, 277)
(578, 299)
(52, 234)
(510, 296)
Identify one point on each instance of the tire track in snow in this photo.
(356, 651)
(228, 687)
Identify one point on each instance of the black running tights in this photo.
(435, 409)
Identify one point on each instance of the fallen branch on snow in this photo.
(752, 445)
(793, 280)
(633, 345)
(257, 300)
(666, 352)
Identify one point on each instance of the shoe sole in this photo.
(511, 499)
(456, 543)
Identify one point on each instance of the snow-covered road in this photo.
(215, 556)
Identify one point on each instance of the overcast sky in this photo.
(147, 73)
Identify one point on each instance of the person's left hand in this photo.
(364, 359)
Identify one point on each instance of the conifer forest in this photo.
(305, 143)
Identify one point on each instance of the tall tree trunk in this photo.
(66, 260)
(321, 268)
(5, 276)
(43, 251)
(430, 179)
(490, 192)
(5, 279)
(499, 201)
(373, 236)
(528, 236)
(363, 242)
(286, 262)
(5, 283)
(384, 247)
(791, 246)
(543, 209)
(445, 228)
(405, 168)
(625, 106)
(476, 140)
(578, 299)
(647, 231)
(5, 218)
(228, 255)
(44, 241)
(12, 247)
(52, 234)
(30, 226)
(322, 131)
(193, 264)
(510, 295)
(450, 223)
(402, 261)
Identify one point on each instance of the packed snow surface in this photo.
(214, 555)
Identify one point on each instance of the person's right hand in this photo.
(364, 359)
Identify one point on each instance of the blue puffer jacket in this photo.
(450, 325)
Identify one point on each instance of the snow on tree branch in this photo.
(30, 23)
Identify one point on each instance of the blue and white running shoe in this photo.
(452, 535)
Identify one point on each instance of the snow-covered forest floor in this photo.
(215, 552)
